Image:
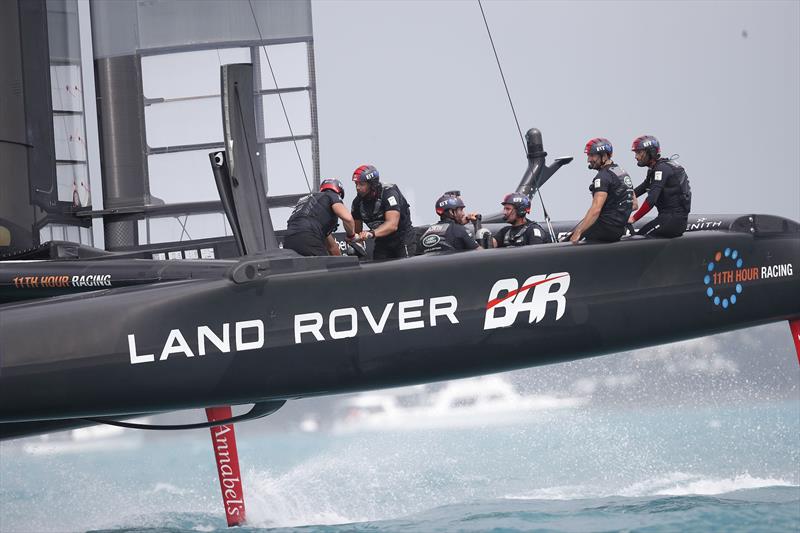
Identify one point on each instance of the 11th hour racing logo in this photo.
(508, 299)
(727, 275)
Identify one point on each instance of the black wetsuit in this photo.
(446, 236)
(372, 212)
(668, 190)
(311, 222)
(610, 225)
(528, 233)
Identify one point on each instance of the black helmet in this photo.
(598, 145)
(520, 202)
(650, 145)
(366, 173)
(447, 202)
(646, 142)
(332, 184)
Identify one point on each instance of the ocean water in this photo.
(592, 469)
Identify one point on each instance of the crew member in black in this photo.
(667, 188)
(449, 234)
(470, 219)
(384, 210)
(612, 196)
(522, 231)
(314, 219)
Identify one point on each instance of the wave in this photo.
(672, 484)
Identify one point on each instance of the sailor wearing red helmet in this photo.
(314, 219)
(667, 188)
(384, 210)
(449, 234)
(612, 196)
(521, 231)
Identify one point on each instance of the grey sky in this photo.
(413, 88)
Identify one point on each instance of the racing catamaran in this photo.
(89, 336)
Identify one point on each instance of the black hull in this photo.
(71, 356)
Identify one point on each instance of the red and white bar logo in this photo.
(507, 299)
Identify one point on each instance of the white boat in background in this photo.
(92, 439)
(474, 402)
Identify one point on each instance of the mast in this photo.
(157, 115)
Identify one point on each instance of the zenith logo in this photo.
(507, 299)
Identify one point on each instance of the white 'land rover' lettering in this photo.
(223, 344)
(448, 309)
(406, 314)
(176, 341)
(377, 327)
(242, 346)
(409, 316)
(345, 334)
(136, 358)
(307, 323)
(170, 347)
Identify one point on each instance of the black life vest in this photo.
(437, 238)
(446, 236)
(619, 204)
(676, 196)
(314, 211)
(515, 235)
(373, 214)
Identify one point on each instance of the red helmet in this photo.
(332, 184)
(598, 145)
(366, 173)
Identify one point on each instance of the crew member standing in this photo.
(667, 188)
(385, 212)
(522, 231)
(449, 234)
(612, 196)
(314, 219)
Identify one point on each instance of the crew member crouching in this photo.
(314, 219)
(449, 234)
(522, 231)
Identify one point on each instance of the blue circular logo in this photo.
(722, 279)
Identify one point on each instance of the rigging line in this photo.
(502, 76)
(516, 120)
(275, 81)
(546, 215)
(183, 227)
